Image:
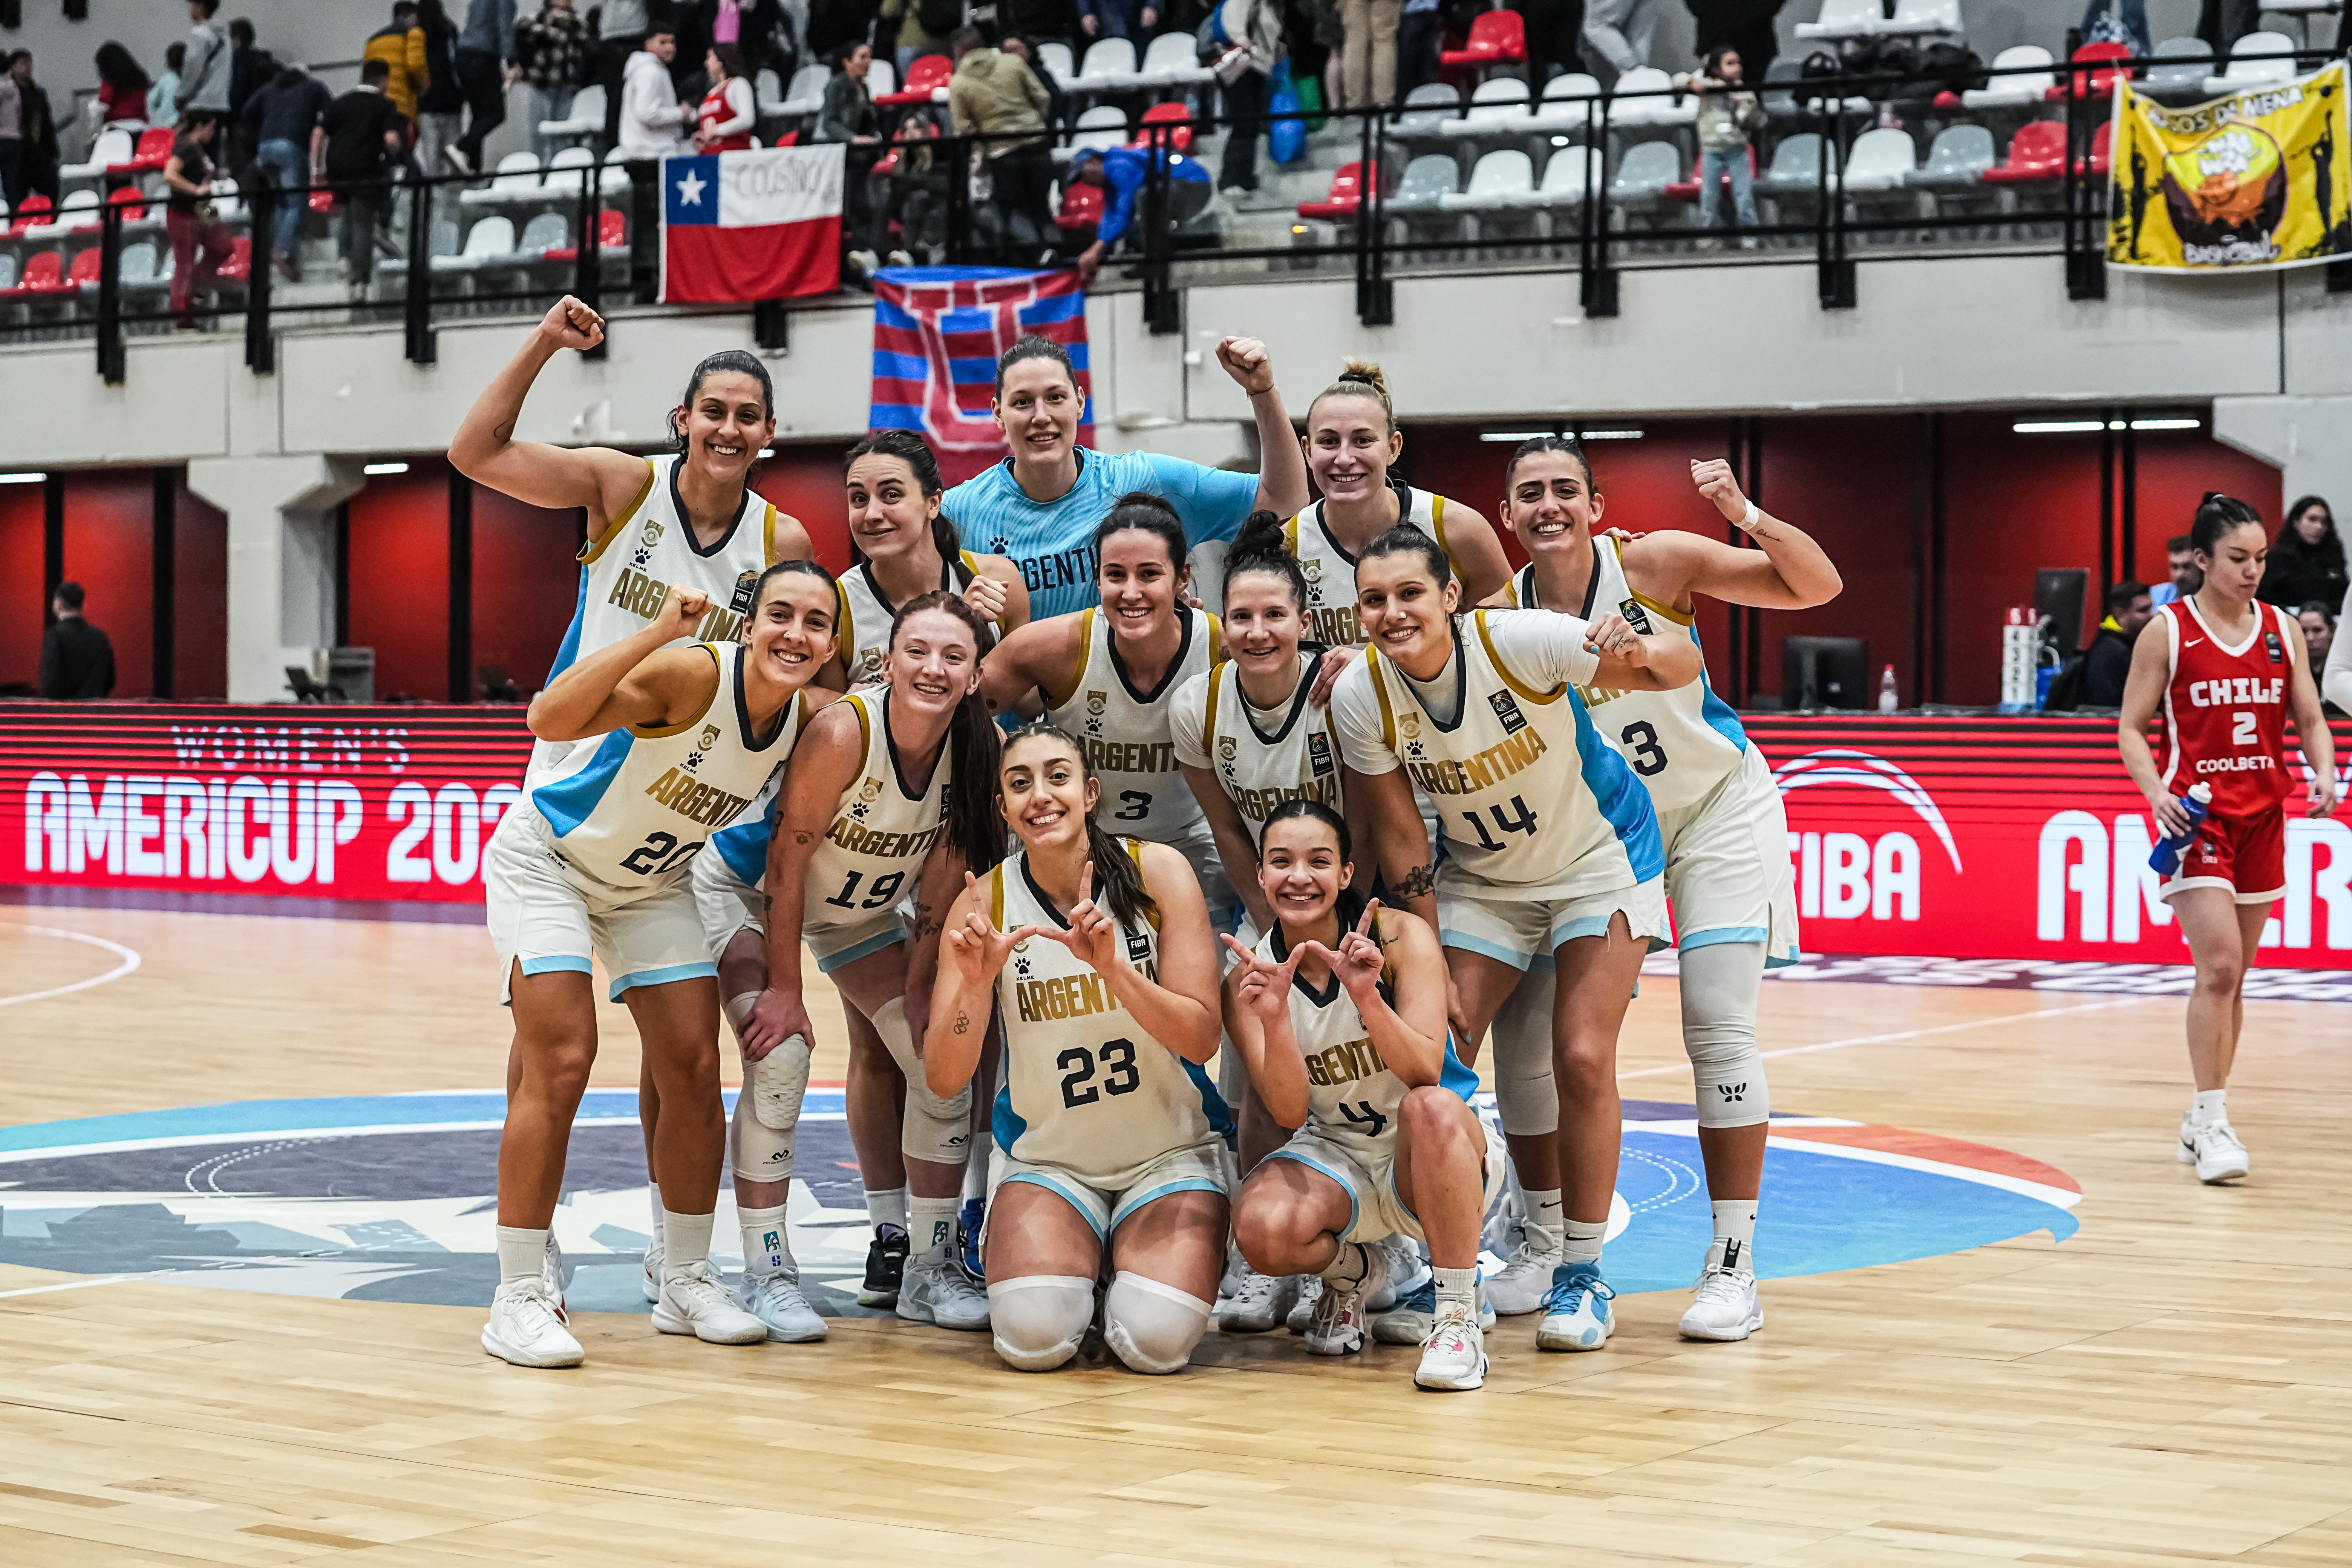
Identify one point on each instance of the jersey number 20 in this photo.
(647, 859)
(1077, 1065)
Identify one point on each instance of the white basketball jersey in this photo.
(866, 614)
(1125, 731)
(1086, 1090)
(1681, 742)
(1352, 1095)
(1331, 615)
(1527, 794)
(883, 826)
(632, 807)
(1260, 760)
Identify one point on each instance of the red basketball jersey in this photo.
(715, 111)
(2225, 709)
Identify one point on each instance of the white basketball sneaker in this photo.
(694, 1303)
(1454, 1354)
(2219, 1156)
(652, 1268)
(1262, 1302)
(776, 1300)
(1724, 1305)
(1302, 1312)
(557, 1274)
(1414, 1316)
(1339, 1322)
(1406, 1270)
(936, 1290)
(1525, 1280)
(526, 1327)
(1577, 1315)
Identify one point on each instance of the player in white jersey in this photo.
(1719, 821)
(1108, 676)
(690, 520)
(1551, 842)
(594, 863)
(887, 801)
(1109, 1133)
(910, 547)
(1339, 1011)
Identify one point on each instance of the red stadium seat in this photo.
(2103, 147)
(33, 209)
(1347, 192)
(239, 265)
(132, 202)
(154, 150)
(1687, 190)
(1496, 38)
(924, 76)
(611, 232)
(44, 274)
(1180, 141)
(1082, 208)
(2038, 152)
(322, 202)
(2093, 84)
(84, 273)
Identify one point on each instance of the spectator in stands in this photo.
(2221, 23)
(486, 72)
(1025, 48)
(363, 138)
(996, 96)
(1751, 26)
(1250, 33)
(2307, 559)
(122, 87)
(282, 122)
(440, 93)
(2186, 577)
(77, 659)
(35, 134)
(1115, 19)
(250, 67)
(652, 121)
(200, 242)
(1618, 33)
(1552, 29)
(553, 49)
(730, 110)
(204, 82)
(11, 136)
(2319, 630)
(401, 47)
(924, 29)
(1368, 64)
(918, 193)
(2119, 21)
(748, 24)
(164, 97)
(1121, 172)
(620, 38)
(2108, 660)
(1728, 117)
(847, 116)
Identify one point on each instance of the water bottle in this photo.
(2165, 859)
(1889, 698)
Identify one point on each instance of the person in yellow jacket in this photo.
(401, 47)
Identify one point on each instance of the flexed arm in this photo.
(484, 450)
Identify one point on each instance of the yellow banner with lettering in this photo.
(2250, 183)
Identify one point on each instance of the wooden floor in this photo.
(2173, 1385)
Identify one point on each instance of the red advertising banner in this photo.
(1992, 837)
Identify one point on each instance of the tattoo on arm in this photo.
(506, 431)
(1418, 881)
(803, 837)
(962, 1024)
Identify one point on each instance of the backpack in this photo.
(2066, 686)
(1955, 68)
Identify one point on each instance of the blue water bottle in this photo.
(2165, 859)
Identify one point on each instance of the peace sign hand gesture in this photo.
(1263, 985)
(1358, 963)
(1093, 934)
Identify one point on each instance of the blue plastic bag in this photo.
(1286, 139)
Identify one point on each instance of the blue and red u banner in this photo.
(938, 332)
(759, 225)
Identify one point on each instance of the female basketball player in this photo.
(1040, 505)
(2227, 670)
(910, 547)
(1108, 676)
(1551, 844)
(1339, 1011)
(873, 813)
(593, 861)
(690, 520)
(1107, 1130)
(1351, 443)
(1719, 819)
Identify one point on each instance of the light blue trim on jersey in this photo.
(830, 961)
(744, 846)
(1718, 713)
(1135, 1201)
(1355, 1203)
(1784, 960)
(1004, 1122)
(669, 976)
(1452, 1077)
(568, 650)
(1717, 937)
(570, 801)
(1468, 943)
(1039, 1179)
(1212, 1104)
(1624, 799)
(564, 964)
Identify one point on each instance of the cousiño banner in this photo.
(1956, 838)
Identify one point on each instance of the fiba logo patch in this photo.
(1095, 704)
(1636, 616)
(1318, 755)
(709, 737)
(1409, 726)
(747, 584)
(1138, 948)
(1507, 710)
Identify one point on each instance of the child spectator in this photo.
(1727, 118)
(164, 97)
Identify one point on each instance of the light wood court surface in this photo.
(2171, 1386)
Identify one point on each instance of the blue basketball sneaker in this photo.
(1577, 1315)
(974, 1212)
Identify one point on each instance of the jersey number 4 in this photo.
(1077, 1065)
(1522, 821)
(660, 852)
(1372, 1120)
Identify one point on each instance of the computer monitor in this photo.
(1824, 672)
(2058, 595)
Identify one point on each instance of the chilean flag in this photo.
(938, 332)
(759, 225)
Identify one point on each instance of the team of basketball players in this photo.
(1199, 921)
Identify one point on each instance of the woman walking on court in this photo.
(2228, 670)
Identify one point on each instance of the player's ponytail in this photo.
(973, 828)
(1259, 547)
(1118, 880)
(915, 452)
(2218, 517)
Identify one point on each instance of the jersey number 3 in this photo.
(1077, 1065)
(1649, 757)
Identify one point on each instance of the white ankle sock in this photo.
(2211, 1105)
(522, 1253)
(652, 1196)
(685, 1240)
(1583, 1242)
(1458, 1285)
(933, 1226)
(767, 1248)
(1546, 1220)
(1734, 1227)
(886, 1205)
(1348, 1269)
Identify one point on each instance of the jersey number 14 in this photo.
(1522, 821)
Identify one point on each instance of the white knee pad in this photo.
(1153, 1327)
(1719, 984)
(1039, 1318)
(936, 1129)
(759, 1134)
(1521, 1040)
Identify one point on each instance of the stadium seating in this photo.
(1793, 183)
(1428, 180)
(33, 209)
(2037, 154)
(1499, 107)
(2180, 72)
(113, 146)
(926, 82)
(152, 151)
(1179, 115)
(586, 118)
(1109, 67)
(1843, 19)
(1057, 60)
(1643, 176)
(1496, 38)
(1099, 129)
(612, 239)
(1641, 113)
(1565, 180)
(2245, 74)
(1081, 214)
(1345, 197)
(1427, 108)
(1920, 19)
(2096, 84)
(1880, 160)
(1957, 161)
(2026, 91)
(1502, 178)
(2303, 11)
(516, 182)
(1172, 61)
(805, 96)
(1567, 106)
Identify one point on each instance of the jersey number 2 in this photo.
(2242, 732)
(1077, 1065)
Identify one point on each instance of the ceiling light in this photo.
(2056, 426)
(1514, 435)
(766, 451)
(385, 469)
(22, 479)
(1611, 435)
(2165, 423)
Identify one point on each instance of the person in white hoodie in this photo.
(653, 121)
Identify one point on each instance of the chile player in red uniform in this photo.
(2227, 670)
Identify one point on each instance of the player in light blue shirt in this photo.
(1039, 507)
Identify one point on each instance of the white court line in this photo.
(1911, 1034)
(74, 1285)
(130, 962)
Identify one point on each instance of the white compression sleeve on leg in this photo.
(1719, 984)
(1520, 1038)
(936, 1129)
(767, 1111)
(1153, 1327)
(1039, 1318)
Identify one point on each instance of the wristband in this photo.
(1755, 515)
